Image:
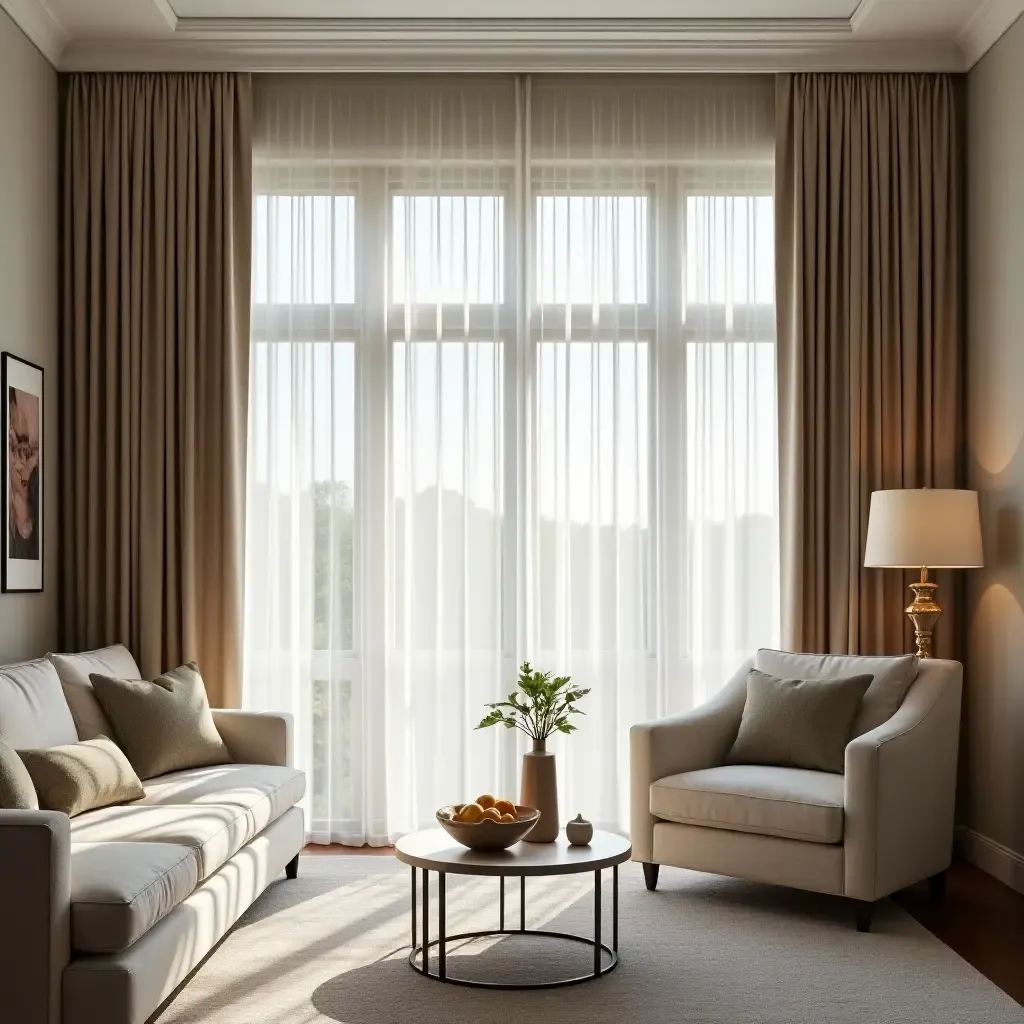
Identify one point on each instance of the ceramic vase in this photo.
(539, 788)
(579, 831)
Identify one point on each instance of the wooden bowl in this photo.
(488, 835)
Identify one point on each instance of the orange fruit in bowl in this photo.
(470, 813)
(504, 807)
(485, 801)
(491, 814)
(508, 819)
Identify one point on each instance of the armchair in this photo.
(884, 824)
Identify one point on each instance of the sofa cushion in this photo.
(215, 831)
(164, 725)
(263, 791)
(790, 802)
(74, 671)
(17, 791)
(891, 679)
(33, 711)
(82, 777)
(120, 890)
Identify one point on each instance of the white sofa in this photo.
(884, 824)
(105, 914)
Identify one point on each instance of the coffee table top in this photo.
(435, 850)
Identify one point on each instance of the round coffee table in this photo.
(435, 850)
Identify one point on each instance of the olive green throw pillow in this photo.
(82, 776)
(798, 723)
(17, 793)
(164, 725)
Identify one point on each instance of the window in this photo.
(508, 403)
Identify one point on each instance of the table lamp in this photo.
(924, 529)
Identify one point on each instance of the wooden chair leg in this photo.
(651, 875)
(865, 911)
(291, 869)
(937, 886)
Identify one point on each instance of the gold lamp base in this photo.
(924, 612)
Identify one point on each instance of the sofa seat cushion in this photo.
(790, 802)
(120, 890)
(263, 791)
(214, 831)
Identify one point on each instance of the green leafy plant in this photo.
(540, 706)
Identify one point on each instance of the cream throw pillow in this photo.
(82, 776)
(17, 793)
(797, 723)
(164, 725)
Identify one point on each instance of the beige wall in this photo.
(994, 680)
(28, 293)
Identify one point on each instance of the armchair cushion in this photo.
(797, 723)
(789, 802)
(891, 679)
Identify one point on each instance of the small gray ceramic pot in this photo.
(579, 832)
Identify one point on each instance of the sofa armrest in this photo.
(900, 788)
(684, 743)
(35, 894)
(256, 737)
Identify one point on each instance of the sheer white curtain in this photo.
(512, 397)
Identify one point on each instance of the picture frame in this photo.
(21, 565)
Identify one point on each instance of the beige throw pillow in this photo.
(797, 723)
(164, 725)
(17, 793)
(82, 776)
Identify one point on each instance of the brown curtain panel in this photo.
(869, 360)
(156, 241)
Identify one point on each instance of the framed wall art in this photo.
(22, 386)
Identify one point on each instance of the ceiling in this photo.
(522, 35)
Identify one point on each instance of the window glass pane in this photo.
(447, 417)
(592, 492)
(303, 250)
(447, 249)
(301, 483)
(731, 487)
(730, 256)
(592, 249)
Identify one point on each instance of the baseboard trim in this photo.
(999, 861)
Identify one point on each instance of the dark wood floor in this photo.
(979, 918)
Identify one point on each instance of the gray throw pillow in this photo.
(17, 793)
(797, 723)
(164, 725)
(82, 776)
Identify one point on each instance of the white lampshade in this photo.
(910, 529)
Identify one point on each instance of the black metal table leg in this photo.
(426, 921)
(501, 904)
(440, 925)
(522, 903)
(413, 870)
(597, 922)
(615, 907)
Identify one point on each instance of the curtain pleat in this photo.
(155, 363)
(869, 319)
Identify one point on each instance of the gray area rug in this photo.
(703, 949)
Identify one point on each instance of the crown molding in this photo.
(862, 13)
(986, 26)
(372, 45)
(165, 8)
(40, 24)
